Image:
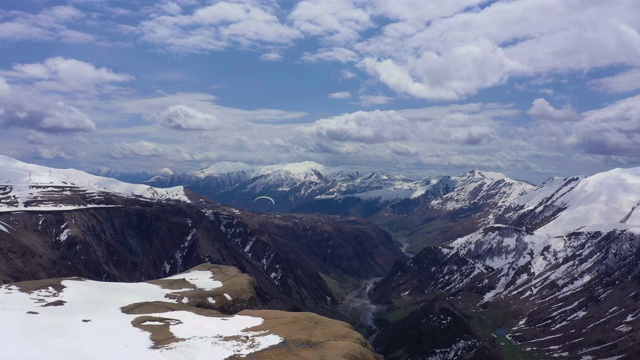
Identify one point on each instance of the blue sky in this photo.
(529, 88)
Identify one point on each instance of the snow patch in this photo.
(201, 279)
(78, 327)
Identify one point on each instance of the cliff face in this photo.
(299, 262)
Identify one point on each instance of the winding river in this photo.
(357, 307)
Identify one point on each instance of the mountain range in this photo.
(529, 264)
(554, 275)
(417, 212)
(500, 268)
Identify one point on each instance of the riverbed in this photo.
(357, 307)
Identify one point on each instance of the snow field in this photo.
(90, 325)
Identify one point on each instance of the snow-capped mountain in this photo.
(298, 187)
(32, 187)
(56, 222)
(421, 208)
(130, 177)
(556, 270)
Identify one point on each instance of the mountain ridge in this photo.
(556, 270)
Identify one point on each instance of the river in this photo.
(357, 307)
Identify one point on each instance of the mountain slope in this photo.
(171, 318)
(300, 262)
(554, 275)
(28, 187)
(418, 212)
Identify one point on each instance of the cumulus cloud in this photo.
(335, 21)
(450, 75)
(65, 75)
(49, 24)
(340, 95)
(400, 80)
(180, 117)
(218, 26)
(60, 118)
(441, 51)
(543, 111)
(620, 83)
(366, 127)
(469, 124)
(612, 130)
(65, 118)
(474, 135)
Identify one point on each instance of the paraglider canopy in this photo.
(264, 197)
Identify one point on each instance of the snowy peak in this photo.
(484, 176)
(221, 168)
(562, 259)
(33, 187)
(478, 186)
(164, 171)
(601, 202)
(306, 170)
(374, 185)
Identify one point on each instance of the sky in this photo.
(529, 88)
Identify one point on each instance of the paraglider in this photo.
(264, 197)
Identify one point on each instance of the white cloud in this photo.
(271, 57)
(346, 75)
(340, 95)
(170, 8)
(138, 149)
(543, 111)
(37, 138)
(60, 118)
(204, 103)
(450, 75)
(612, 130)
(49, 24)
(218, 26)
(437, 51)
(65, 118)
(369, 100)
(65, 75)
(419, 10)
(180, 117)
(46, 153)
(402, 150)
(398, 79)
(76, 37)
(337, 54)
(337, 22)
(473, 135)
(5, 89)
(620, 83)
(366, 127)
